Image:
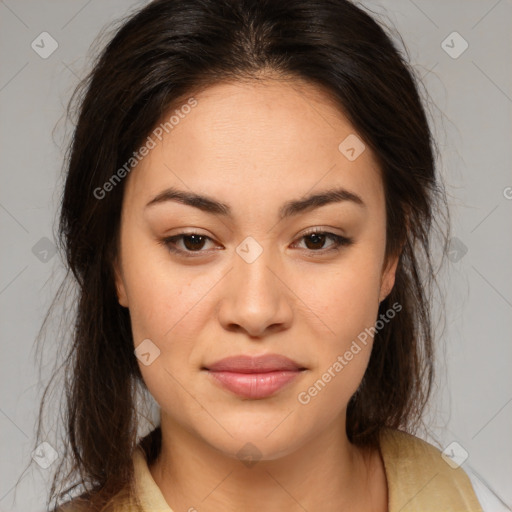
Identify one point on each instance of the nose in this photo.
(255, 297)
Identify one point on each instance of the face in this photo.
(265, 272)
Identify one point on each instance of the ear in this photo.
(388, 276)
(120, 287)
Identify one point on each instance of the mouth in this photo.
(254, 377)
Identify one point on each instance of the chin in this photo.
(254, 440)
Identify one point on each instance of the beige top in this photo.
(419, 480)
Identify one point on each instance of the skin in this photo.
(255, 146)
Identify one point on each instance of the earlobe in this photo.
(120, 288)
(388, 278)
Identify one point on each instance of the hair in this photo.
(161, 55)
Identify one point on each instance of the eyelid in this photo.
(319, 229)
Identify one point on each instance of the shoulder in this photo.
(420, 478)
(400, 446)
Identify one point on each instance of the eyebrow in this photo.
(288, 209)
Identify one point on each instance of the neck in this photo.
(326, 473)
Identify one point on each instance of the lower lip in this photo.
(255, 385)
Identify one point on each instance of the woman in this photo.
(248, 212)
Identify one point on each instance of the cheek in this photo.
(329, 389)
(349, 306)
(163, 298)
(346, 297)
(346, 301)
(167, 308)
(170, 306)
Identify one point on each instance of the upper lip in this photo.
(255, 364)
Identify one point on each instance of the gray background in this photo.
(471, 105)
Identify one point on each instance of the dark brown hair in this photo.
(168, 51)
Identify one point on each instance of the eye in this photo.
(315, 239)
(192, 243)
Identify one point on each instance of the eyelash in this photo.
(339, 241)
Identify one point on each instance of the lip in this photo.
(254, 364)
(254, 377)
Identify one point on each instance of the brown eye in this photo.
(192, 244)
(315, 241)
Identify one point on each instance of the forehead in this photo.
(268, 139)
